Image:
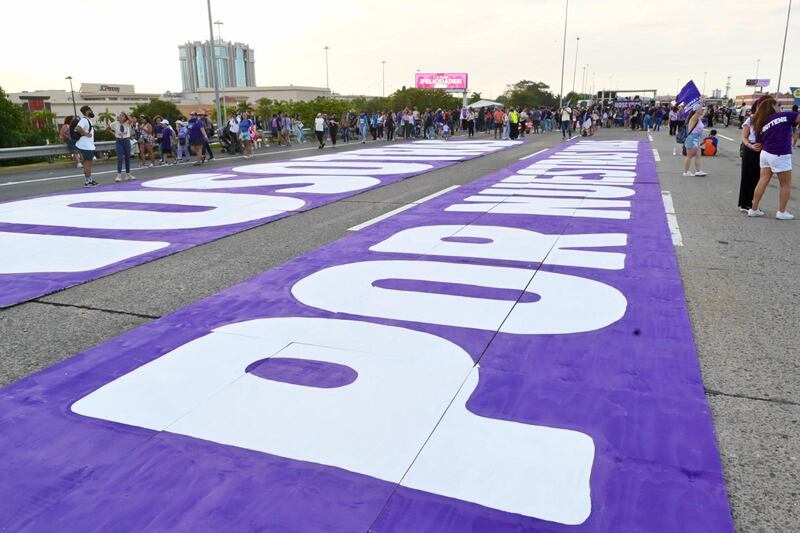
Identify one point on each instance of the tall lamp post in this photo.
(563, 56)
(758, 64)
(383, 77)
(214, 69)
(575, 72)
(327, 80)
(72, 91)
(783, 53)
(222, 85)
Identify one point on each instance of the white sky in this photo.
(626, 43)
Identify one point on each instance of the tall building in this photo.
(235, 65)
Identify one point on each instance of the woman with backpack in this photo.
(774, 133)
(63, 136)
(693, 132)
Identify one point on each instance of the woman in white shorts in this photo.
(774, 132)
(694, 126)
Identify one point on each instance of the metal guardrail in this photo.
(48, 150)
(51, 150)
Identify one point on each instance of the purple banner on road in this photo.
(53, 242)
(514, 355)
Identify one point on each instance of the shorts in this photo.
(778, 163)
(88, 155)
(166, 149)
(692, 141)
(196, 142)
(246, 136)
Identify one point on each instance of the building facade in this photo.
(235, 65)
(100, 96)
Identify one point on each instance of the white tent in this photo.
(485, 103)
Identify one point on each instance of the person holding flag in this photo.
(690, 97)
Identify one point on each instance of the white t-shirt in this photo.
(319, 124)
(86, 143)
(234, 125)
(752, 134)
(565, 114)
(121, 131)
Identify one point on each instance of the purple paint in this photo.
(634, 387)
(309, 373)
(159, 208)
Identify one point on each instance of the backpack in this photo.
(73, 133)
(683, 132)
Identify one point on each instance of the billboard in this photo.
(757, 83)
(448, 81)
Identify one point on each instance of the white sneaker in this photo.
(784, 215)
(118, 178)
(690, 173)
(80, 165)
(743, 210)
(129, 177)
(700, 173)
(755, 213)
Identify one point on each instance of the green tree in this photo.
(15, 127)
(474, 97)
(526, 93)
(168, 110)
(106, 117)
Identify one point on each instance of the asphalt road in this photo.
(739, 274)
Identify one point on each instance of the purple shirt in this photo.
(166, 137)
(776, 135)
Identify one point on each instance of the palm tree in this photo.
(106, 117)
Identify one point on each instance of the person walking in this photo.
(319, 130)
(167, 135)
(63, 136)
(751, 169)
(198, 138)
(298, 130)
(183, 141)
(208, 126)
(333, 128)
(499, 118)
(566, 123)
(146, 140)
(122, 137)
(513, 124)
(774, 133)
(85, 143)
(389, 125)
(694, 130)
(363, 126)
(471, 117)
(233, 128)
(247, 140)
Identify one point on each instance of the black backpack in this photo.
(73, 133)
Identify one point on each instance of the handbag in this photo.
(683, 132)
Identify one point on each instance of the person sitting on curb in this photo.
(708, 146)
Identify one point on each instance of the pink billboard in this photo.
(448, 81)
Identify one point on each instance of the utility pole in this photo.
(758, 64)
(705, 75)
(71, 90)
(563, 56)
(327, 80)
(214, 69)
(224, 107)
(575, 72)
(383, 78)
(783, 53)
(727, 87)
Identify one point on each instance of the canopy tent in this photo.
(485, 103)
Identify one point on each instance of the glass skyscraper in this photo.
(235, 65)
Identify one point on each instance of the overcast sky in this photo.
(625, 44)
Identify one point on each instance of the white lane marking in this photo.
(574, 137)
(726, 138)
(400, 209)
(656, 155)
(533, 154)
(650, 137)
(672, 219)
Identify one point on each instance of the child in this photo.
(446, 131)
(708, 146)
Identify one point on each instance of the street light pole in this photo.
(327, 80)
(705, 75)
(72, 91)
(758, 64)
(783, 53)
(575, 72)
(563, 56)
(383, 77)
(214, 69)
(222, 85)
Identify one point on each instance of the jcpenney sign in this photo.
(513, 355)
